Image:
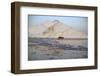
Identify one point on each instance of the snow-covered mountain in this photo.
(55, 29)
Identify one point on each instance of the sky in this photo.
(79, 23)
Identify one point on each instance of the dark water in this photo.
(52, 48)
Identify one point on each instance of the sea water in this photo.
(54, 48)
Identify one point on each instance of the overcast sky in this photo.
(79, 23)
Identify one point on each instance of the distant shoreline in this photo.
(57, 38)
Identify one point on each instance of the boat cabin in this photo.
(60, 37)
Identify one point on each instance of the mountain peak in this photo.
(52, 23)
